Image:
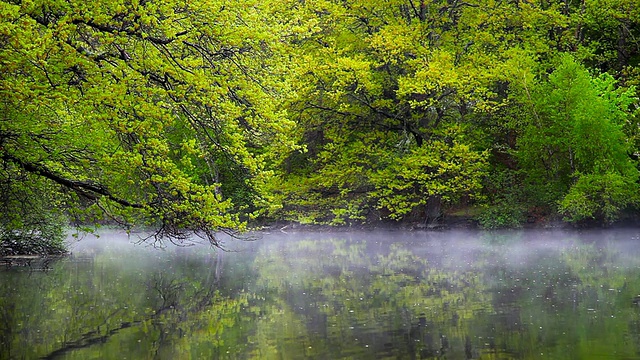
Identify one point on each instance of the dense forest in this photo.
(213, 115)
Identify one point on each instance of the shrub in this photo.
(502, 215)
(599, 197)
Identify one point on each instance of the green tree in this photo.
(607, 35)
(573, 149)
(146, 112)
(382, 83)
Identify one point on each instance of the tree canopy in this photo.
(205, 115)
(154, 112)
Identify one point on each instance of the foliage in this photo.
(436, 169)
(400, 86)
(502, 214)
(607, 32)
(599, 196)
(204, 116)
(149, 113)
(30, 224)
(505, 205)
(573, 147)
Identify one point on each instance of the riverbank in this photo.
(454, 221)
(447, 223)
(21, 247)
(14, 252)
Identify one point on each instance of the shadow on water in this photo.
(407, 295)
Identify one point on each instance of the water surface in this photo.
(355, 295)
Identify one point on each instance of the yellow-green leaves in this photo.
(166, 108)
(202, 114)
(434, 170)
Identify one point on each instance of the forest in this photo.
(212, 116)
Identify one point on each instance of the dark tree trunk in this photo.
(433, 211)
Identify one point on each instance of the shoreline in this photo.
(448, 223)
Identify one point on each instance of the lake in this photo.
(526, 294)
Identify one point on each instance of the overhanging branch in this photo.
(88, 189)
(129, 32)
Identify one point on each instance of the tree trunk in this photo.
(433, 211)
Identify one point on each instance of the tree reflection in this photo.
(115, 303)
(357, 298)
(333, 297)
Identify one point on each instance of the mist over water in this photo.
(360, 294)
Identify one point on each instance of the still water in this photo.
(348, 295)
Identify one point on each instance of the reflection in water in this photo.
(347, 295)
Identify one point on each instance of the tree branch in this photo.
(114, 30)
(87, 189)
